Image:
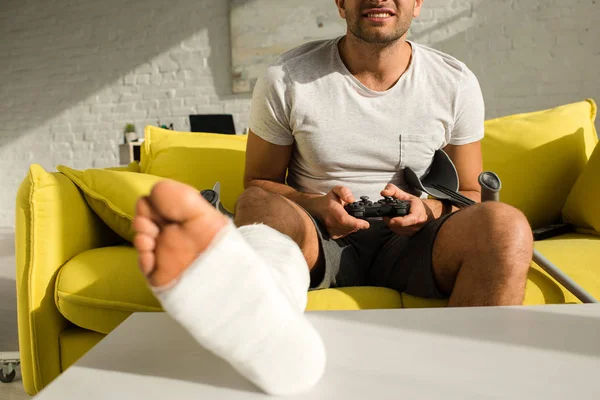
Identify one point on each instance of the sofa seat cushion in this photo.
(353, 298)
(578, 256)
(99, 288)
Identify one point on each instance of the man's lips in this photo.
(378, 13)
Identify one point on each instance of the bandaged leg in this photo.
(283, 258)
(234, 306)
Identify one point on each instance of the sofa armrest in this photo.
(53, 224)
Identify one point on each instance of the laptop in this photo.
(213, 123)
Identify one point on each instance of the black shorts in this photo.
(379, 257)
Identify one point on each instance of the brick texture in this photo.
(74, 72)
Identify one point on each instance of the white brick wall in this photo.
(74, 72)
(527, 55)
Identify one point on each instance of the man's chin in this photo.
(378, 37)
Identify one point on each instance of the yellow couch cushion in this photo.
(197, 159)
(113, 194)
(582, 208)
(353, 298)
(539, 156)
(578, 256)
(98, 289)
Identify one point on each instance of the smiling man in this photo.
(343, 118)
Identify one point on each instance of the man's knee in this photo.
(504, 230)
(252, 206)
(256, 205)
(251, 198)
(503, 221)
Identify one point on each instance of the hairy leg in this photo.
(482, 255)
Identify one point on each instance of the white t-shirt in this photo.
(347, 134)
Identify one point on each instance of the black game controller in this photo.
(386, 207)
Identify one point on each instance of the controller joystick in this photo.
(385, 207)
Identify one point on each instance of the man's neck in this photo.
(378, 67)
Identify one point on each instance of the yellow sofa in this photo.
(77, 278)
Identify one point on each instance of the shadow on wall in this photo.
(57, 53)
(527, 55)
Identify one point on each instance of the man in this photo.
(344, 117)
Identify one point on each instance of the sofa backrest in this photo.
(197, 159)
(539, 155)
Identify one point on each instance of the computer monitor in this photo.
(212, 123)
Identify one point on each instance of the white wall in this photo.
(528, 54)
(73, 72)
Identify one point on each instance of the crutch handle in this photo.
(490, 186)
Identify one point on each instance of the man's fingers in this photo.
(362, 224)
(402, 222)
(395, 192)
(345, 219)
(343, 193)
(406, 221)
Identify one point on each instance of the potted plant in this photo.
(130, 135)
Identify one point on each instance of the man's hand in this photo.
(419, 214)
(330, 210)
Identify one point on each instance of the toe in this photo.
(145, 226)
(146, 261)
(145, 246)
(176, 250)
(143, 242)
(145, 210)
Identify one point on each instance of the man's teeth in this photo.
(379, 15)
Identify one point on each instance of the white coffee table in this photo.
(541, 352)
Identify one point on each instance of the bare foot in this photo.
(173, 225)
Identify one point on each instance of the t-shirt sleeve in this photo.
(469, 111)
(269, 110)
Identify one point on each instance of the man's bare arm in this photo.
(266, 167)
(468, 162)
